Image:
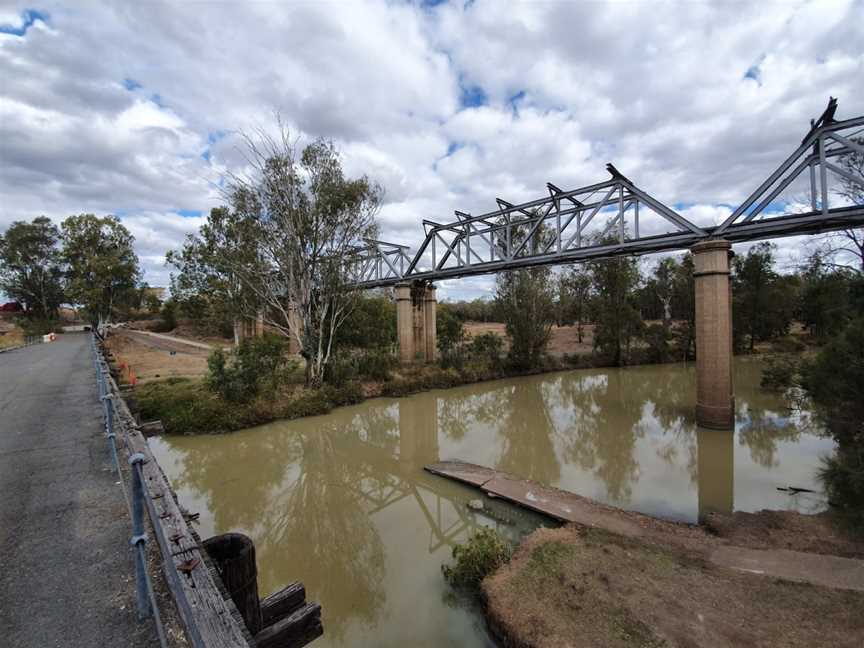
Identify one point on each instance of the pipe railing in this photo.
(145, 596)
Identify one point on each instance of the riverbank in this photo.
(593, 587)
(621, 578)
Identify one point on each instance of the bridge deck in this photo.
(66, 574)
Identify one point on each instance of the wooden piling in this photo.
(234, 557)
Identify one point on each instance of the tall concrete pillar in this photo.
(430, 306)
(416, 322)
(715, 401)
(405, 323)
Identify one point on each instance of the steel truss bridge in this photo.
(603, 220)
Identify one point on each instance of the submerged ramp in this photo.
(558, 504)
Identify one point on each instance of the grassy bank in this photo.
(589, 587)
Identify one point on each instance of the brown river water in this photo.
(341, 502)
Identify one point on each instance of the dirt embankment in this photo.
(585, 587)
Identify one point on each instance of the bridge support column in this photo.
(715, 401)
(416, 322)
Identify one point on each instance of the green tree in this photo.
(370, 325)
(31, 269)
(617, 320)
(306, 222)
(574, 298)
(526, 301)
(450, 332)
(102, 268)
(763, 302)
(211, 266)
(824, 304)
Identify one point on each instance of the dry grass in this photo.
(10, 335)
(564, 339)
(571, 587)
(154, 358)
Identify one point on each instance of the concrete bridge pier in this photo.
(415, 321)
(715, 401)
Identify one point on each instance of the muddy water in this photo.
(341, 502)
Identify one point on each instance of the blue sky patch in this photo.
(131, 84)
(754, 72)
(472, 97)
(28, 17)
(189, 213)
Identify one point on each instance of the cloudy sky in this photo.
(133, 108)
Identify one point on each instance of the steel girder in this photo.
(563, 226)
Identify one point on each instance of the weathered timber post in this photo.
(715, 401)
(715, 451)
(282, 619)
(234, 557)
(416, 322)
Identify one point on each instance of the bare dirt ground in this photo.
(565, 339)
(579, 587)
(153, 358)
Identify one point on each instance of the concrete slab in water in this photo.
(558, 504)
(464, 472)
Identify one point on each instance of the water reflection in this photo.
(342, 502)
(716, 471)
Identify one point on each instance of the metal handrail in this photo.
(146, 597)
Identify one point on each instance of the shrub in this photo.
(371, 325)
(168, 314)
(487, 348)
(451, 336)
(835, 376)
(658, 339)
(484, 552)
(376, 364)
(39, 327)
(258, 364)
(842, 476)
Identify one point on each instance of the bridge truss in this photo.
(617, 218)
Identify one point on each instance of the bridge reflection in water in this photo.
(342, 502)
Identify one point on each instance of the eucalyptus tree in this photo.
(102, 271)
(286, 245)
(616, 318)
(525, 300)
(31, 268)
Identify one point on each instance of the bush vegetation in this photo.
(259, 365)
(483, 553)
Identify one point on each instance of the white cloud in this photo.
(131, 108)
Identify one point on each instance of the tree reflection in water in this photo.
(604, 430)
(527, 432)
